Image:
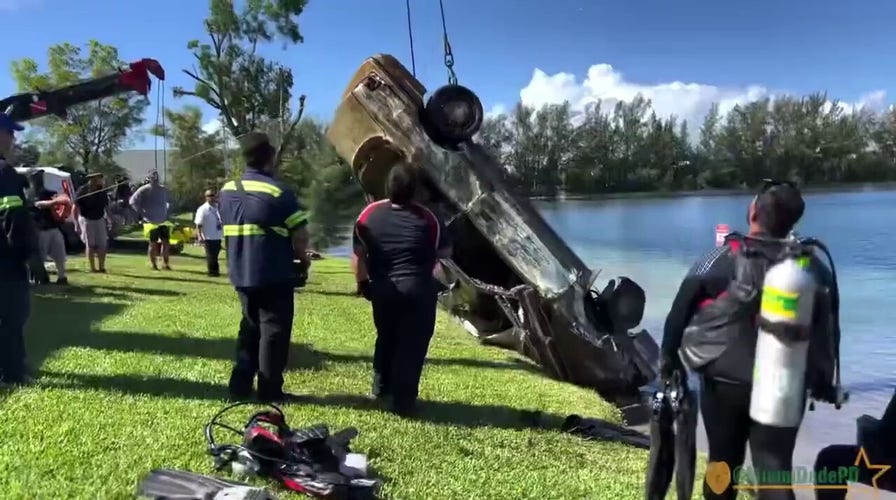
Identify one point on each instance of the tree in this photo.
(95, 131)
(198, 159)
(248, 90)
(812, 140)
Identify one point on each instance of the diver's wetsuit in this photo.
(726, 383)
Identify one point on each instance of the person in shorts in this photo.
(91, 203)
(151, 202)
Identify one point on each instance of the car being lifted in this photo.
(512, 280)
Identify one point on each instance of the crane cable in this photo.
(161, 125)
(407, 5)
(449, 55)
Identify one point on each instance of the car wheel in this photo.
(453, 114)
(177, 248)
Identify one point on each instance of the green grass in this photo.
(135, 362)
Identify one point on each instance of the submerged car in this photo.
(512, 280)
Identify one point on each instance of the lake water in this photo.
(654, 242)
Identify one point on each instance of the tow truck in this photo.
(40, 103)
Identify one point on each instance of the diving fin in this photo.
(167, 484)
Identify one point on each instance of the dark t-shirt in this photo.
(44, 217)
(92, 205)
(399, 242)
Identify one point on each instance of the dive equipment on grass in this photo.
(310, 460)
(601, 430)
(673, 439)
(167, 484)
(782, 343)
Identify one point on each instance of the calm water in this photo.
(654, 242)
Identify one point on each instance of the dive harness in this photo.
(309, 460)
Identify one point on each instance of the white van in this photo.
(59, 181)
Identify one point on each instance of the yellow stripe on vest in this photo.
(252, 230)
(255, 187)
(297, 218)
(8, 202)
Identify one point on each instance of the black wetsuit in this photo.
(726, 382)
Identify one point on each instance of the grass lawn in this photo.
(133, 363)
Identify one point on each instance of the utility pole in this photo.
(226, 144)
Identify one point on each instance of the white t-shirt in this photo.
(209, 219)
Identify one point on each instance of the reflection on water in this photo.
(654, 242)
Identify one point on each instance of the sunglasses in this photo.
(768, 184)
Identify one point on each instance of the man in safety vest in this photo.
(18, 241)
(265, 229)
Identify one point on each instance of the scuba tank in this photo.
(782, 344)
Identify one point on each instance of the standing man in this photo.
(50, 240)
(91, 204)
(727, 380)
(18, 241)
(151, 202)
(397, 244)
(209, 231)
(265, 230)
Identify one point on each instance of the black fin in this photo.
(167, 484)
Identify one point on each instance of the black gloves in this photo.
(363, 289)
(669, 365)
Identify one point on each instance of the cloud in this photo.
(687, 100)
(210, 127)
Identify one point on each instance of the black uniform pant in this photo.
(36, 268)
(263, 342)
(726, 417)
(832, 458)
(405, 317)
(15, 306)
(212, 251)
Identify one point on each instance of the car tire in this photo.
(453, 114)
(177, 248)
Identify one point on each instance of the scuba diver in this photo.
(877, 438)
(712, 328)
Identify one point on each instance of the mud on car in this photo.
(512, 281)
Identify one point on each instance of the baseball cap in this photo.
(7, 124)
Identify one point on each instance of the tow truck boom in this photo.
(39, 103)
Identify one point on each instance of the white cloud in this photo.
(686, 100)
(212, 126)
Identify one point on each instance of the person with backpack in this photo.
(731, 278)
(18, 242)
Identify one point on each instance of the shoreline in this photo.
(648, 195)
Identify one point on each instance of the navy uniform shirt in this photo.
(399, 242)
(257, 224)
(17, 227)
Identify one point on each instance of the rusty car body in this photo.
(512, 281)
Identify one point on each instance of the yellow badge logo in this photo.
(718, 476)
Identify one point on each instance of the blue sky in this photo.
(682, 54)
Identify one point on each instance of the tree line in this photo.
(543, 151)
(809, 140)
